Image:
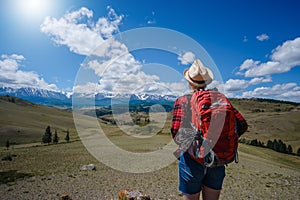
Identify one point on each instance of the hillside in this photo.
(271, 119)
(24, 122)
(260, 174)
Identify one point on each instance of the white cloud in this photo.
(110, 61)
(186, 58)
(236, 85)
(259, 80)
(14, 56)
(283, 59)
(123, 76)
(12, 76)
(76, 31)
(288, 92)
(10, 63)
(88, 88)
(248, 64)
(110, 49)
(150, 19)
(262, 37)
(267, 68)
(107, 26)
(151, 22)
(288, 53)
(140, 83)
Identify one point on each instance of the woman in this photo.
(194, 177)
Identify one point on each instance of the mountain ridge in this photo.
(55, 98)
(63, 99)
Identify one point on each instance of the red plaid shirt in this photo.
(179, 113)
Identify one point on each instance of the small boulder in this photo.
(88, 167)
(132, 195)
(65, 197)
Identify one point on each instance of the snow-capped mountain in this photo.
(36, 95)
(153, 97)
(140, 97)
(31, 92)
(54, 98)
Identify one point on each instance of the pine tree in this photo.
(55, 137)
(276, 145)
(289, 149)
(254, 142)
(7, 144)
(270, 144)
(282, 147)
(67, 138)
(298, 152)
(47, 137)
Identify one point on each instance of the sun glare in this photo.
(34, 4)
(34, 9)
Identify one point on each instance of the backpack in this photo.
(213, 119)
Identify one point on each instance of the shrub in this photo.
(7, 158)
(55, 137)
(47, 137)
(67, 138)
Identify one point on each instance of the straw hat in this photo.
(198, 74)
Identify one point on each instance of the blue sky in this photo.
(255, 45)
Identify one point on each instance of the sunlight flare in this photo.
(34, 8)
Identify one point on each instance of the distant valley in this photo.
(23, 121)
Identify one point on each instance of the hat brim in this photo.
(208, 81)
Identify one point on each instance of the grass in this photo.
(55, 170)
(69, 157)
(274, 120)
(48, 159)
(270, 156)
(269, 126)
(261, 173)
(23, 122)
(10, 176)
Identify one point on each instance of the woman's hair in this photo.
(194, 87)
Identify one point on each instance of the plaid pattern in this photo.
(180, 111)
(178, 114)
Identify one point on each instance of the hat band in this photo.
(198, 82)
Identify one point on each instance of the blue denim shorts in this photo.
(193, 175)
